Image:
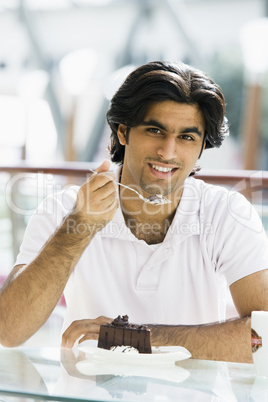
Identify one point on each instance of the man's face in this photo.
(162, 151)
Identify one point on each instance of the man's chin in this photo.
(152, 190)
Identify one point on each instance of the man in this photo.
(164, 265)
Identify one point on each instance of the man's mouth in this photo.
(162, 169)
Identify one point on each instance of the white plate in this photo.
(159, 355)
(171, 373)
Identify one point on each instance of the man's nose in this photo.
(167, 149)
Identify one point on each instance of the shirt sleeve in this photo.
(240, 244)
(44, 222)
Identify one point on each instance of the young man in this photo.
(164, 265)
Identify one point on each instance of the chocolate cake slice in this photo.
(121, 333)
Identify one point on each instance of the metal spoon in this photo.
(156, 199)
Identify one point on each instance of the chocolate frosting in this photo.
(121, 321)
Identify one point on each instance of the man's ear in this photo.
(121, 134)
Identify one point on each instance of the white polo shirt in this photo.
(215, 239)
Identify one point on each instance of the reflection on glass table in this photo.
(56, 374)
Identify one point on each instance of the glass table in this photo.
(53, 374)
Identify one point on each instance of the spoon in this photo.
(156, 199)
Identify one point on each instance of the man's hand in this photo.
(83, 330)
(97, 200)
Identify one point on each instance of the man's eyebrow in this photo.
(155, 123)
(192, 129)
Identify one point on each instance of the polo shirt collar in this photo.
(186, 221)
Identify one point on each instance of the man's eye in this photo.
(187, 137)
(154, 130)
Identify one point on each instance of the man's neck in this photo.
(147, 222)
(151, 231)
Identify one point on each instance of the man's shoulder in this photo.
(216, 196)
(226, 205)
(204, 189)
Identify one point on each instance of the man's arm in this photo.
(31, 291)
(227, 341)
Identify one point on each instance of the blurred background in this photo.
(62, 60)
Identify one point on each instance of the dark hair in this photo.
(159, 81)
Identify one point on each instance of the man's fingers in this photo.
(103, 183)
(101, 200)
(104, 167)
(102, 177)
(89, 336)
(83, 329)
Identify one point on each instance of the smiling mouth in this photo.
(161, 168)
